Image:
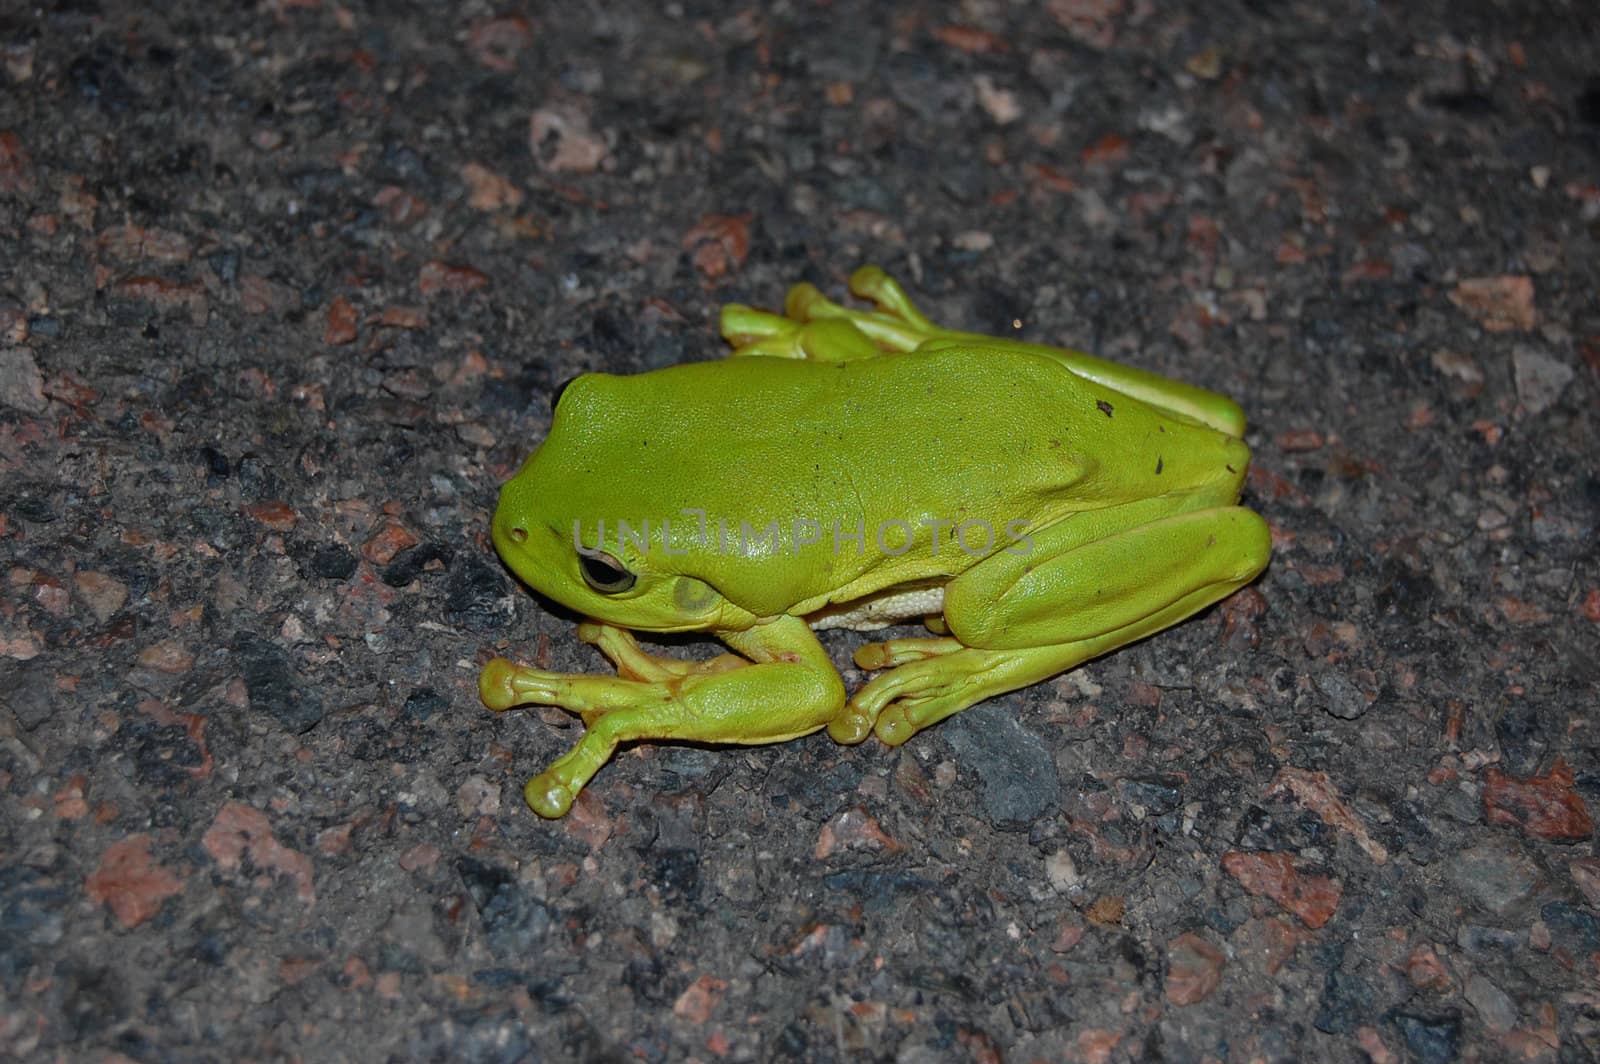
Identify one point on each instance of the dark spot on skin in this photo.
(1161, 428)
(1159, 464)
(1230, 469)
(1105, 407)
(1211, 541)
(1055, 443)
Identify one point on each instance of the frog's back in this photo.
(890, 437)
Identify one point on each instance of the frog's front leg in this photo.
(634, 663)
(788, 688)
(503, 684)
(1019, 618)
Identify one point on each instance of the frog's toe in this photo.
(502, 685)
(878, 693)
(873, 656)
(870, 282)
(805, 302)
(850, 727)
(548, 796)
(496, 685)
(905, 718)
(864, 712)
(743, 326)
(895, 726)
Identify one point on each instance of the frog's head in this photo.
(589, 470)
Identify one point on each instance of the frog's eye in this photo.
(604, 573)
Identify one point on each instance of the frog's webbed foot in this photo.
(870, 282)
(862, 712)
(756, 332)
(614, 709)
(813, 326)
(931, 679)
(925, 688)
(896, 324)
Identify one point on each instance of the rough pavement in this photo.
(284, 290)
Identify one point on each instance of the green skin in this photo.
(1121, 485)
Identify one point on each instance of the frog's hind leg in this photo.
(755, 332)
(926, 689)
(813, 326)
(895, 326)
(1019, 619)
(870, 282)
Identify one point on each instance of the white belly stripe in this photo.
(880, 610)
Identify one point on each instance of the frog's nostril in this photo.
(518, 534)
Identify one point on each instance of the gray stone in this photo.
(21, 383)
(30, 692)
(274, 684)
(1522, 737)
(1019, 775)
(1572, 928)
(1342, 698)
(1476, 938)
(1432, 1039)
(1495, 876)
(1540, 378)
(1495, 1007)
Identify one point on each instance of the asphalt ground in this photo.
(284, 292)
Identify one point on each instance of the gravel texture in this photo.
(285, 289)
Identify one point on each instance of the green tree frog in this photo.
(1034, 506)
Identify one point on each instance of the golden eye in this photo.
(604, 573)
